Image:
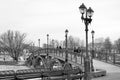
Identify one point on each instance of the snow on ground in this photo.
(12, 67)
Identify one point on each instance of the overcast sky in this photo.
(40, 17)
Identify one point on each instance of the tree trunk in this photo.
(15, 59)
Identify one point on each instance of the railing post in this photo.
(62, 53)
(106, 55)
(81, 58)
(56, 52)
(76, 58)
(59, 52)
(114, 57)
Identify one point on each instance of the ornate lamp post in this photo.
(47, 43)
(66, 56)
(93, 55)
(87, 20)
(39, 43)
(33, 47)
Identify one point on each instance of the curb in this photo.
(98, 73)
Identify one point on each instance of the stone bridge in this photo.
(57, 55)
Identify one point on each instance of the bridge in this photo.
(45, 67)
(59, 54)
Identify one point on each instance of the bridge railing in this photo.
(72, 54)
(108, 56)
(57, 50)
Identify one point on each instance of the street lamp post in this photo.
(53, 46)
(66, 56)
(87, 20)
(33, 47)
(114, 57)
(47, 43)
(92, 54)
(39, 43)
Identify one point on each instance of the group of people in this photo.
(59, 47)
(78, 50)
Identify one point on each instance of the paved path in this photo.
(113, 72)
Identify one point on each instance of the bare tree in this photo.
(71, 42)
(56, 43)
(117, 45)
(74, 42)
(108, 44)
(61, 44)
(13, 43)
(99, 43)
(52, 44)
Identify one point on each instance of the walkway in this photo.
(113, 72)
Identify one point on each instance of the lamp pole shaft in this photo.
(92, 56)
(93, 47)
(66, 56)
(87, 61)
(53, 43)
(39, 42)
(47, 44)
(86, 30)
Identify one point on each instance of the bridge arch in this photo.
(37, 61)
(56, 62)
